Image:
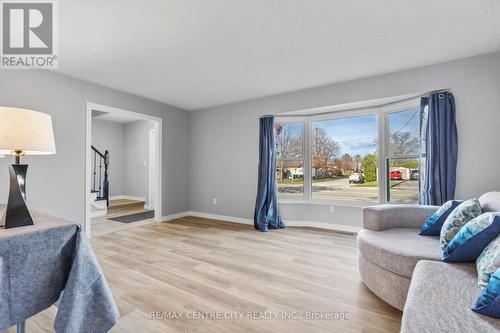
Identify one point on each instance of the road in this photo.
(341, 190)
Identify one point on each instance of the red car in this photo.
(396, 175)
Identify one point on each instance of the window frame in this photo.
(389, 156)
(383, 147)
(305, 150)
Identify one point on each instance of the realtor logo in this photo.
(28, 34)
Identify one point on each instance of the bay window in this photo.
(363, 156)
(403, 160)
(290, 159)
(343, 159)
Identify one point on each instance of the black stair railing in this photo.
(100, 180)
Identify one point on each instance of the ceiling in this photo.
(197, 53)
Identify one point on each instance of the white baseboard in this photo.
(173, 216)
(128, 197)
(323, 225)
(239, 220)
(290, 223)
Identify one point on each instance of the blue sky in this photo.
(357, 135)
(406, 121)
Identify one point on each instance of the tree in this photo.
(288, 145)
(324, 150)
(411, 164)
(288, 142)
(347, 162)
(337, 162)
(358, 159)
(403, 144)
(369, 166)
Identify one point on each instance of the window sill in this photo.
(353, 204)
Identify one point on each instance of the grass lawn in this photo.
(394, 183)
(290, 181)
(319, 180)
(300, 181)
(367, 184)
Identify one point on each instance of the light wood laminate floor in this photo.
(102, 225)
(206, 266)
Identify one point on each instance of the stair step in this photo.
(125, 203)
(99, 205)
(93, 197)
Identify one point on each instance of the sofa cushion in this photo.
(398, 250)
(464, 212)
(488, 262)
(490, 202)
(433, 224)
(489, 301)
(440, 300)
(471, 240)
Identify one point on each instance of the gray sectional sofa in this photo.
(405, 270)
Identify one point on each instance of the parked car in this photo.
(396, 175)
(357, 178)
(414, 175)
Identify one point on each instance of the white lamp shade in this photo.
(26, 130)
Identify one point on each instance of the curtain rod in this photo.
(403, 99)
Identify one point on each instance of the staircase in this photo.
(122, 205)
(99, 183)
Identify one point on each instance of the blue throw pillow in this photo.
(432, 227)
(488, 262)
(488, 302)
(464, 212)
(472, 238)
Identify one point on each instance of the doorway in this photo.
(106, 208)
(151, 204)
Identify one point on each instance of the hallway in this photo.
(119, 208)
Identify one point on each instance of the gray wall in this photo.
(136, 144)
(128, 146)
(213, 153)
(224, 139)
(56, 182)
(107, 135)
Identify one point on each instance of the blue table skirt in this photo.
(38, 262)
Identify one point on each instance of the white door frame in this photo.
(88, 156)
(151, 202)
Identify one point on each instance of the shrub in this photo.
(369, 165)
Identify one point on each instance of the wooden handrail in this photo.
(97, 151)
(100, 178)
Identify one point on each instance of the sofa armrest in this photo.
(391, 216)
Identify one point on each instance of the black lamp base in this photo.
(17, 214)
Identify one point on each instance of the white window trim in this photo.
(383, 139)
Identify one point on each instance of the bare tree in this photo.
(358, 159)
(324, 150)
(347, 162)
(288, 145)
(403, 144)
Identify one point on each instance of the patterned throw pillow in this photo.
(488, 302)
(434, 223)
(474, 236)
(464, 212)
(488, 262)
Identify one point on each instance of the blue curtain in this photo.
(439, 130)
(267, 215)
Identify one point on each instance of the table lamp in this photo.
(22, 132)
